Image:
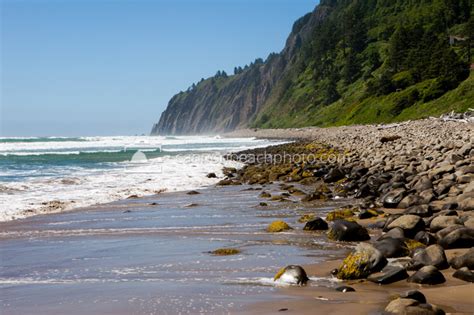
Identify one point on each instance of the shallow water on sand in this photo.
(132, 257)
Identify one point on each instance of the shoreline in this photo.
(429, 163)
(365, 148)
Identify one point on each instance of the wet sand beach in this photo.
(150, 255)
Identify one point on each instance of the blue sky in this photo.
(109, 67)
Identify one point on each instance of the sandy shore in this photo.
(291, 192)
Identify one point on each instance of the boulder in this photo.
(367, 214)
(392, 247)
(441, 234)
(459, 238)
(442, 221)
(441, 170)
(411, 306)
(423, 184)
(427, 275)
(409, 201)
(292, 274)
(410, 224)
(466, 260)
(464, 274)
(388, 275)
(430, 256)
(415, 295)
(427, 196)
(466, 204)
(334, 175)
(317, 224)
(420, 210)
(394, 233)
(362, 262)
(342, 230)
(425, 238)
(278, 226)
(393, 198)
(443, 186)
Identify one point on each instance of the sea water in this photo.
(52, 174)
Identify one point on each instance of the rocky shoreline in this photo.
(412, 217)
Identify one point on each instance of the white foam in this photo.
(74, 186)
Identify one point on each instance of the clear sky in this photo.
(109, 67)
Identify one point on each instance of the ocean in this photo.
(53, 174)
(148, 255)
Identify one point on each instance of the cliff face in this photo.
(347, 62)
(224, 103)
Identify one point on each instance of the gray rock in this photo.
(465, 149)
(394, 233)
(420, 210)
(466, 204)
(443, 221)
(388, 275)
(443, 186)
(393, 198)
(412, 307)
(469, 222)
(464, 274)
(427, 275)
(410, 224)
(342, 230)
(410, 200)
(415, 295)
(426, 196)
(363, 261)
(334, 175)
(459, 238)
(442, 233)
(441, 170)
(425, 238)
(423, 184)
(430, 256)
(317, 224)
(466, 260)
(392, 247)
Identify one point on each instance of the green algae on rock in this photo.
(278, 226)
(225, 251)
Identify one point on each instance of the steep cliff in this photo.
(348, 61)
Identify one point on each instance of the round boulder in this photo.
(342, 230)
(316, 224)
(292, 274)
(459, 238)
(363, 261)
(430, 256)
(442, 221)
(278, 226)
(427, 275)
(392, 247)
(466, 260)
(410, 224)
(393, 198)
(464, 274)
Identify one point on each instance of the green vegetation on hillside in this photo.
(347, 62)
(378, 61)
